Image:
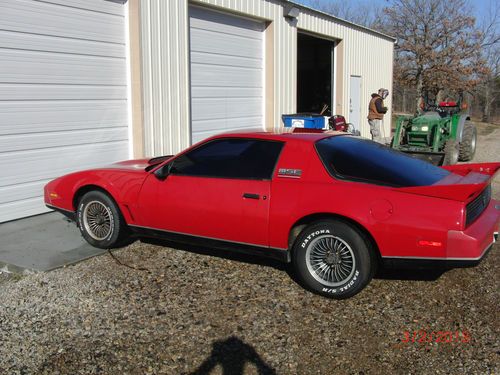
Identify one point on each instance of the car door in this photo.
(219, 190)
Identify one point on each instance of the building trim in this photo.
(342, 21)
(269, 108)
(339, 77)
(135, 79)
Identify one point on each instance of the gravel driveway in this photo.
(191, 312)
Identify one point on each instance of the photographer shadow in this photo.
(233, 355)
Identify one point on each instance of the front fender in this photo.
(124, 188)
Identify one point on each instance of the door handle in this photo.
(251, 196)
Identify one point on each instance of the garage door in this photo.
(63, 95)
(227, 73)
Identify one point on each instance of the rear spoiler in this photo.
(465, 183)
(484, 168)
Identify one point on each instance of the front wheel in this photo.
(333, 258)
(100, 221)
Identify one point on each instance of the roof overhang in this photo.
(341, 21)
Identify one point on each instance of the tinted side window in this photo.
(364, 160)
(231, 158)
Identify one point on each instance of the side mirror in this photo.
(163, 172)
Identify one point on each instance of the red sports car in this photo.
(333, 205)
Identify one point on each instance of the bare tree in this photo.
(488, 90)
(438, 48)
(364, 13)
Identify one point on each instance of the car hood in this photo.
(426, 118)
(140, 164)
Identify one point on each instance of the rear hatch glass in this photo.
(358, 159)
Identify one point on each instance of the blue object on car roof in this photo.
(304, 120)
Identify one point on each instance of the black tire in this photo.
(100, 221)
(450, 152)
(467, 147)
(325, 245)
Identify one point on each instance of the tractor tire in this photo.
(450, 152)
(467, 147)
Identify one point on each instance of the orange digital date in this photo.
(441, 337)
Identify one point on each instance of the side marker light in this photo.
(430, 243)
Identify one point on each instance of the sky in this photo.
(481, 8)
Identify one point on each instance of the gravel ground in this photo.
(191, 312)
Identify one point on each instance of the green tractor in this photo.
(442, 134)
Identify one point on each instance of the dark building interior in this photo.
(314, 74)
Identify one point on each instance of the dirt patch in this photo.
(488, 150)
(485, 129)
(6, 277)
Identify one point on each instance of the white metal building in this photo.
(89, 82)
(63, 95)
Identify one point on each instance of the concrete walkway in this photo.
(42, 243)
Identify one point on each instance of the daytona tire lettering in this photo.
(312, 235)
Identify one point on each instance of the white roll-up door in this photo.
(227, 73)
(63, 95)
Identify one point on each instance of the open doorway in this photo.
(314, 74)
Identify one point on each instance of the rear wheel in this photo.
(468, 144)
(332, 258)
(450, 152)
(101, 222)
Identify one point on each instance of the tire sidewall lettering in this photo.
(112, 224)
(348, 285)
(311, 236)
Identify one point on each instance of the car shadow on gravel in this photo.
(226, 254)
(384, 273)
(387, 273)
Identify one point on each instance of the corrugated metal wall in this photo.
(165, 62)
(165, 67)
(63, 95)
(227, 73)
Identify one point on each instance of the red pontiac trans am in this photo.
(333, 205)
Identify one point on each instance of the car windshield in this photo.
(358, 159)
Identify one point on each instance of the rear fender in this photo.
(460, 126)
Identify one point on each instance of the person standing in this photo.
(376, 111)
